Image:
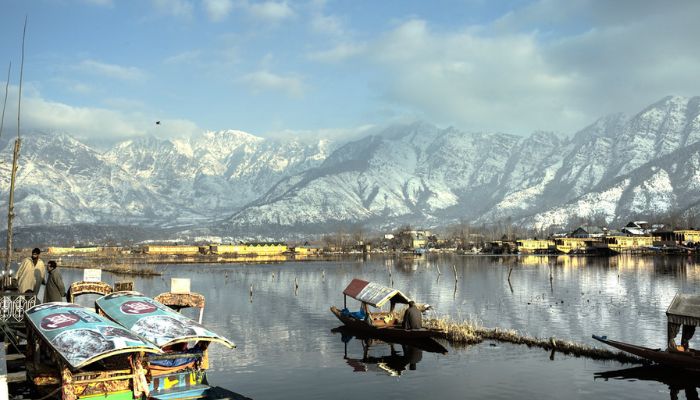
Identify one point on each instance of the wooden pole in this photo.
(4, 103)
(15, 160)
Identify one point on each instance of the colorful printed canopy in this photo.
(80, 336)
(154, 321)
(374, 294)
(684, 310)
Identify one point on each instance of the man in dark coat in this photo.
(412, 318)
(55, 289)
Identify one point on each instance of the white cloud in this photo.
(39, 114)
(269, 10)
(176, 8)
(531, 71)
(338, 53)
(184, 58)
(80, 88)
(104, 3)
(327, 24)
(480, 83)
(335, 134)
(264, 80)
(218, 10)
(111, 70)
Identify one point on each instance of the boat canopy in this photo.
(80, 336)
(684, 311)
(154, 321)
(374, 294)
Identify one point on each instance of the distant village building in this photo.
(588, 231)
(568, 245)
(637, 228)
(307, 250)
(415, 239)
(73, 250)
(250, 249)
(623, 244)
(687, 236)
(535, 246)
(157, 249)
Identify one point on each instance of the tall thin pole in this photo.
(4, 103)
(15, 159)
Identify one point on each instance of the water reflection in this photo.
(384, 356)
(677, 381)
(285, 340)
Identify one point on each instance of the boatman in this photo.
(412, 318)
(31, 273)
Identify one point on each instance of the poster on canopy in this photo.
(80, 336)
(154, 321)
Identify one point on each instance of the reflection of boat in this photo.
(425, 344)
(180, 372)
(390, 361)
(676, 380)
(683, 313)
(82, 354)
(386, 324)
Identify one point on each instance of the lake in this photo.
(287, 350)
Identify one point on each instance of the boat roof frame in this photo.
(684, 309)
(373, 293)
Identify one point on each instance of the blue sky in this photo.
(108, 69)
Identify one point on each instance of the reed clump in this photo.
(468, 332)
(455, 332)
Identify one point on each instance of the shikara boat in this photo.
(683, 314)
(82, 288)
(383, 324)
(181, 371)
(75, 353)
(425, 344)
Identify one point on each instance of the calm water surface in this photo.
(286, 349)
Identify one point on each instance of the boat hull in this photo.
(682, 360)
(389, 332)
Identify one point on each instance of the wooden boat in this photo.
(683, 314)
(82, 288)
(384, 324)
(75, 353)
(181, 371)
(425, 344)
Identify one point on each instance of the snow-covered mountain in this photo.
(231, 181)
(149, 181)
(428, 176)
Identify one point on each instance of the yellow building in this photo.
(250, 249)
(568, 245)
(307, 251)
(621, 244)
(73, 250)
(171, 250)
(687, 235)
(534, 246)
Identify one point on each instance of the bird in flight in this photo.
(157, 122)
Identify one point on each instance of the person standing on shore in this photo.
(30, 274)
(55, 289)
